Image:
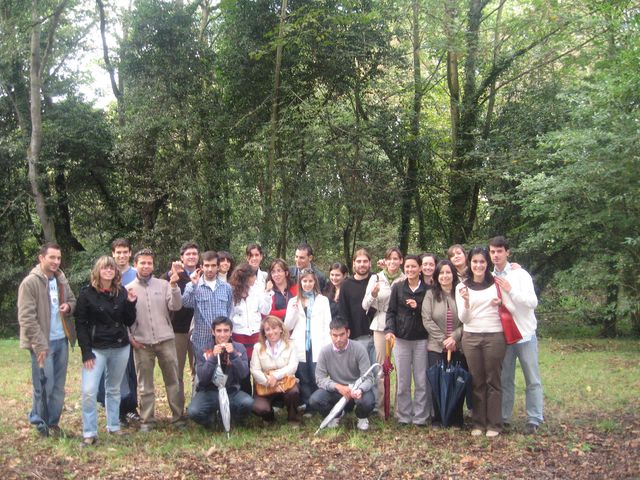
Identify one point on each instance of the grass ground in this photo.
(592, 430)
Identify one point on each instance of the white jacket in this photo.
(524, 299)
(247, 315)
(381, 302)
(296, 321)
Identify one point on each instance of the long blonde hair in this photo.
(105, 261)
(273, 322)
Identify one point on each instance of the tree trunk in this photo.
(116, 85)
(35, 144)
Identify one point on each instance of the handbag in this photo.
(509, 328)
(283, 385)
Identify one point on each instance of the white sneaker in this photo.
(363, 424)
(476, 432)
(334, 423)
(492, 433)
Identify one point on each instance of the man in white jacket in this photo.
(518, 283)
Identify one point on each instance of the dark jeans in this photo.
(205, 404)
(323, 401)
(306, 373)
(434, 357)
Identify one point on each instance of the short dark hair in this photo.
(221, 320)
(415, 258)
(361, 252)
(338, 323)
(187, 245)
(209, 255)
(499, 241)
(46, 246)
(120, 242)
(305, 246)
(253, 246)
(145, 252)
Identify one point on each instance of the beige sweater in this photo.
(286, 363)
(434, 318)
(155, 300)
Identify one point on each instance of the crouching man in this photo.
(234, 363)
(339, 366)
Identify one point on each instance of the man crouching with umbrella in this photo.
(340, 366)
(232, 358)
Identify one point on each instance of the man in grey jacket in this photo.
(339, 366)
(45, 305)
(152, 336)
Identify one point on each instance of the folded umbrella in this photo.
(220, 381)
(44, 407)
(387, 368)
(448, 384)
(339, 406)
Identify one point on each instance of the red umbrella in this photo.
(387, 368)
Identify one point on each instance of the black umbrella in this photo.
(44, 407)
(449, 384)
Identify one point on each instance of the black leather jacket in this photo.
(102, 320)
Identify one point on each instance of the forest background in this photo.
(418, 123)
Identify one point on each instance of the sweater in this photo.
(102, 320)
(434, 318)
(381, 302)
(286, 363)
(350, 306)
(402, 320)
(34, 310)
(343, 367)
(156, 299)
(296, 321)
(481, 316)
(524, 300)
(236, 371)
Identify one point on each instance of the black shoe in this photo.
(530, 429)
(56, 432)
(88, 442)
(133, 417)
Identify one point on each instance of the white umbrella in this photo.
(339, 406)
(220, 381)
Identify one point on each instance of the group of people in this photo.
(284, 337)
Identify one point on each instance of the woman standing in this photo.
(440, 318)
(279, 282)
(458, 257)
(275, 362)
(225, 265)
(308, 318)
(404, 324)
(104, 312)
(428, 263)
(377, 297)
(337, 274)
(249, 304)
(483, 341)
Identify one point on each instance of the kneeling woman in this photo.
(104, 312)
(404, 323)
(308, 318)
(273, 367)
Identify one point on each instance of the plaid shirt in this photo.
(207, 305)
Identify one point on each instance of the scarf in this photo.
(391, 277)
(310, 296)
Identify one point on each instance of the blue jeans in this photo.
(323, 401)
(306, 373)
(527, 353)
(113, 363)
(204, 405)
(55, 371)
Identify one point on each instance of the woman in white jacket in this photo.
(308, 317)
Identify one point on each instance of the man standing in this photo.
(121, 253)
(152, 336)
(339, 366)
(518, 284)
(45, 305)
(254, 258)
(181, 320)
(234, 364)
(304, 258)
(350, 303)
(209, 298)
